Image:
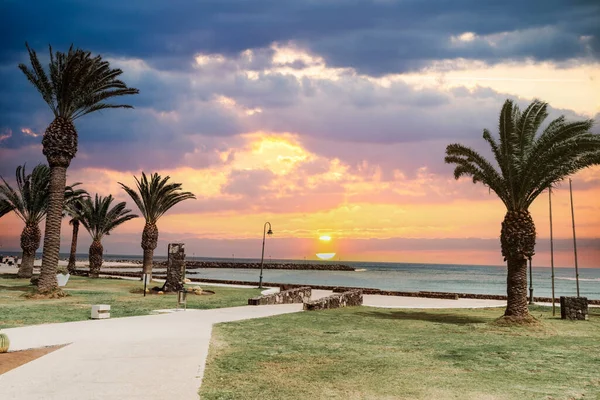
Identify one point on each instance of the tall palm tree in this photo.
(30, 203)
(154, 197)
(73, 209)
(99, 220)
(527, 164)
(76, 84)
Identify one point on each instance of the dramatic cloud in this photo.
(321, 117)
(376, 37)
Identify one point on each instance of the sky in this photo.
(326, 117)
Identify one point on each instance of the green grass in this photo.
(369, 353)
(17, 310)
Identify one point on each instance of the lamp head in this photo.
(270, 232)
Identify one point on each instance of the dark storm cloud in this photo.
(373, 36)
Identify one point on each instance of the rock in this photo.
(187, 280)
(161, 292)
(197, 290)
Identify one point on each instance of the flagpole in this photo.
(551, 250)
(574, 239)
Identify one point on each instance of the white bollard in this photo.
(100, 311)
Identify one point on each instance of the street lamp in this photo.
(530, 283)
(262, 257)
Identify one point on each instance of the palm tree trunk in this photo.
(71, 266)
(518, 245)
(58, 178)
(95, 257)
(516, 287)
(149, 243)
(30, 241)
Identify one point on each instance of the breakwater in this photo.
(243, 265)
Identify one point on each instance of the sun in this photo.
(325, 256)
(325, 238)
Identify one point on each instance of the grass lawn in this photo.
(370, 353)
(16, 310)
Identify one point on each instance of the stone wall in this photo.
(297, 295)
(337, 300)
(574, 308)
(440, 295)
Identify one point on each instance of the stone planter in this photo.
(62, 279)
(574, 308)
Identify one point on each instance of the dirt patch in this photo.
(508, 320)
(55, 294)
(15, 359)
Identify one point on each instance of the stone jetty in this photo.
(246, 265)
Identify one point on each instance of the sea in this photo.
(457, 278)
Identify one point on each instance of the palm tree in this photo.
(99, 220)
(73, 209)
(155, 198)
(30, 203)
(76, 84)
(528, 164)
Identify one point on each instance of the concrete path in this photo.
(147, 357)
(372, 300)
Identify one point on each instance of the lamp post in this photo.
(262, 257)
(530, 283)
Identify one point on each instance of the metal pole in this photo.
(551, 251)
(574, 239)
(530, 283)
(262, 257)
(145, 280)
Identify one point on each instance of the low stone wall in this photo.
(574, 308)
(434, 295)
(285, 286)
(337, 300)
(297, 295)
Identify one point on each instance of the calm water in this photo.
(408, 277)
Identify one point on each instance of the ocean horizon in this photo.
(457, 278)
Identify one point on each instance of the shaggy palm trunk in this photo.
(149, 242)
(518, 244)
(71, 265)
(95, 257)
(30, 241)
(47, 282)
(59, 147)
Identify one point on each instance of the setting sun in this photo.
(325, 238)
(325, 256)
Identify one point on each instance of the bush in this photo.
(62, 270)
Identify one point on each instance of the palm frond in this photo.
(99, 219)
(37, 76)
(528, 165)
(156, 196)
(77, 83)
(29, 200)
(5, 207)
(471, 163)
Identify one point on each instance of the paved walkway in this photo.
(147, 357)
